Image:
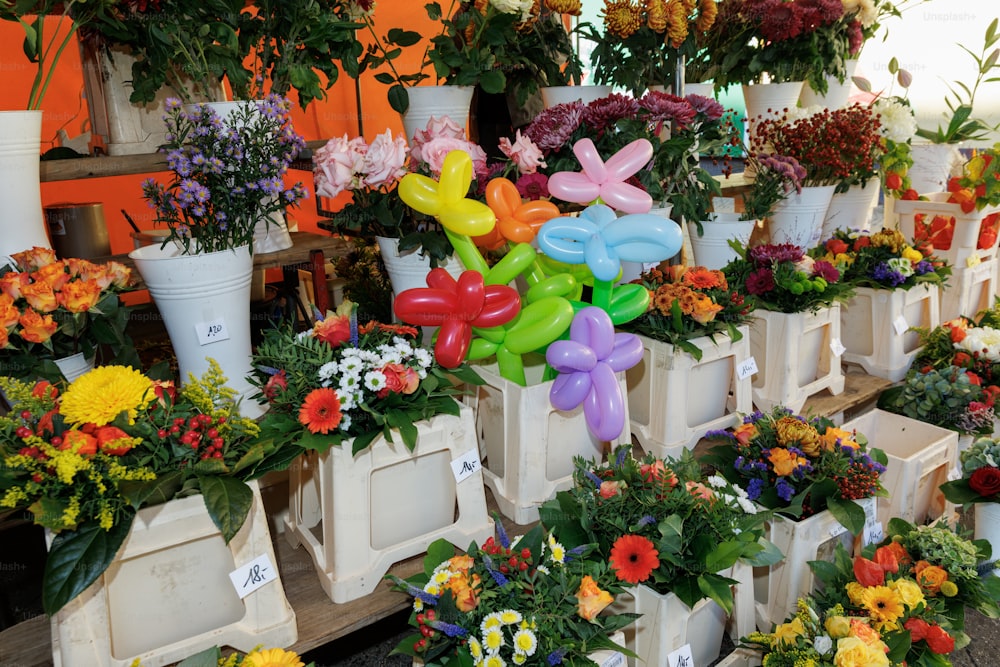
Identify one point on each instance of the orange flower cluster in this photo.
(686, 291)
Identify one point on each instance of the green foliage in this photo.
(944, 397)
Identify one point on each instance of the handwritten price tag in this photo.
(616, 659)
(900, 325)
(746, 368)
(212, 332)
(253, 575)
(466, 465)
(681, 657)
(837, 530)
(837, 347)
(873, 533)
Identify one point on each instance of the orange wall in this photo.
(65, 108)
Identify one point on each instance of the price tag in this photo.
(746, 368)
(212, 332)
(466, 465)
(837, 347)
(900, 325)
(681, 657)
(873, 533)
(724, 204)
(616, 659)
(869, 508)
(253, 575)
(973, 260)
(837, 530)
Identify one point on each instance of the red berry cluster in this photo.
(426, 631)
(198, 432)
(510, 561)
(859, 482)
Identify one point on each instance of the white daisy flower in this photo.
(525, 642)
(475, 648)
(423, 357)
(345, 422)
(327, 372)
(493, 640)
(302, 336)
(351, 365)
(374, 380)
(510, 617)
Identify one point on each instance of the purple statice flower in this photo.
(753, 417)
(556, 657)
(923, 267)
(706, 106)
(826, 271)
(552, 128)
(755, 488)
(760, 281)
(497, 575)
(602, 114)
(887, 276)
(449, 629)
(720, 433)
(593, 478)
(666, 108)
(770, 254)
(785, 490)
(646, 520)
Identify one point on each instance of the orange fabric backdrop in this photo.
(65, 108)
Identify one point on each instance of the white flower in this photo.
(493, 640)
(718, 482)
(525, 642)
(896, 119)
(348, 401)
(351, 365)
(303, 335)
(326, 373)
(558, 550)
(901, 264)
(985, 340)
(510, 617)
(800, 113)
(374, 380)
(822, 644)
(521, 7)
(348, 384)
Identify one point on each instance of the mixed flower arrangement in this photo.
(689, 302)
(340, 379)
(980, 481)
(82, 462)
(51, 309)
(523, 601)
(951, 397)
(799, 466)
(979, 184)
(883, 260)
(226, 175)
(257, 657)
(912, 589)
(662, 523)
(898, 126)
(785, 279)
(968, 343)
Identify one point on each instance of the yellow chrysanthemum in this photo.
(884, 606)
(273, 657)
(656, 15)
(892, 239)
(677, 23)
(100, 395)
(572, 7)
(854, 592)
(622, 17)
(707, 11)
(792, 432)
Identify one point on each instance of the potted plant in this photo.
(951, 397)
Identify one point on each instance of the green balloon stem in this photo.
(467, 252)
(549, 373)
(601, 294)
(511, 366)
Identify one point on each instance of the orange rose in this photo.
(12, 282)
(828, 441)
(112, 440)
(334, 330)
(4, 338)
(610, 489)
(45, 389)
(9, 314)
(899, 551)
(54, 275)
(166, 392)
(121, 275)
(591, 600)
(864, 632)
(466, 592)
(744, 433)
(40, 296)
(930, 577)
(97, 273)
(79, 296)
(699, 490)
(784, 462)
(76, 266)
(704, 310)
(79, 442)
(36, 328)
(658, 472)
(400, 379)
(36, 258)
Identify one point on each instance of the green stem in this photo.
(35, 102)
(511, 366)
(601, 294)
(467, 252)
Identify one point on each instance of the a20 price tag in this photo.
(681, 657)
(253, 575)
(837, 347)
(466, 465)
(746, 368)
(900, 325)
(212, 332)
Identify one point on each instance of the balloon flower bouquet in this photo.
(480, 315)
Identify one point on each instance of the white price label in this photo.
(837, 530)
(900, 325)
(746, 368)
(681, 657)
(253, 575)
(837, 347)
(616, 659)
(724, 204)
(466, 465)
(212, 332)
(873, 532)
(869, 507)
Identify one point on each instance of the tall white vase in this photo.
(409, 269)
(798, 220)
(205, 303)
(852, 209)
(553, 95)
(837, 93)
(437, 101)
(933, 165)
(711, 248)
(22, 223)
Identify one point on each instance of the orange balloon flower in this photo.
(517, 221)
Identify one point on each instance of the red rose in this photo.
(985, 481)
(974, 379)
(918, 629)
(938, 640)
(893, 181)
(961, 359)
(112, 440)
(276, 384)
(862, 242)
(836, 246)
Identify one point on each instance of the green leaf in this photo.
(403, 37)
(848, 513)
(228, 501)
(719, 589)
(768, 555)
(78, 557)
(493, 81)
(958, 492)
(723, 556)
(399, 99)
(437, 552)
(155, 492)
(208, 658)
(253, 455)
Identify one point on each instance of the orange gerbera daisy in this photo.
(633, 558)
(320, 411)
(699, 277)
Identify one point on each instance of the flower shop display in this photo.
(979, 486)
(673, 532)
(95, 464)
(897, 293)
(525, 600)
(694, 338)
(795, 327)
(950, 396)
(912, 589)
(820, 480)
(59, 317)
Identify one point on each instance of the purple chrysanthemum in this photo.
(666, 108)
(553, 127)
(603, 113)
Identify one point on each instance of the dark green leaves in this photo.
(77, 558)
(228, 502)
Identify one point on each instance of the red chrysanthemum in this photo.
(320, 411)
(633, 558)
(553, 127)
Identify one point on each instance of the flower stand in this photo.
(527, 445)
(921, 456)
(875, 323)
(673, 399)
(358, 515)
(795, 356)
(168, 593)
(778, 587)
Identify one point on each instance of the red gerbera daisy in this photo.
(633, 558)
(320, 411)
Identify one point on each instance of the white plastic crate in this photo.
(965, 235)
(527, 445)
(673, 399)
(741, 657)
(920, 456)
(779, 586)
(795, 356)
(874, 327)
(168, 595)
(357, 515)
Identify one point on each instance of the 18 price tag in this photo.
(466, 465)
(746, 368)
(253, 575)
(212, 332)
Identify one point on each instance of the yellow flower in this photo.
(949, 589)
(677, 23)
(912, 254)
(273, 657)
(889, 238)
(837, 626)
(884, 606)
(793, 432)
(100, 395)
(572, 7)
(622, 17)
(829, 439)
(852, 652)
(591, 599)
(908, 591)
(788, 633)
(707, 11)
(656, 15)
(854, 592)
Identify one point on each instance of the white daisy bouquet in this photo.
(520, 601)
(343, 379)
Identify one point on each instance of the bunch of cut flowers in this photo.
(663, 523)
(783, 278)
(51, 309)
(777, 177)
(951, 397)
(82, 462)
(343, 379)
(257, 657)
(980, 480)
(883, 260)
(526, 600)
(799, 466)
(913, 589)
(689, 302)
(972, 344)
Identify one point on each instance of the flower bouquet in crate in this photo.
(912, 589)
(950, 396)
(258, 657)
(82, 462)
(968, 343)
(883, 260)
(52, 309)
(980, 481)
(525, 601)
